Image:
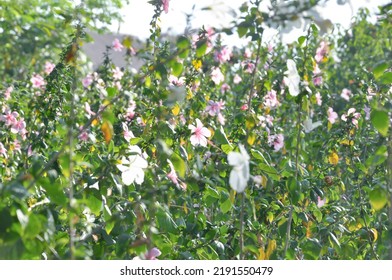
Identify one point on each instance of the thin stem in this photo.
(242, 226)
(252, 84)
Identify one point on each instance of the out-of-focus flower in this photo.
(165, 4)
(332, 116)
(223, 55)
(177, 81)
(128, 135)
(367, 112)
(319, 100)
(370, 94)
(19, 126)
(309, 125)
(49, 67)
(292, 79)
(321, 51)
(247, 53)
(237, 79)
(346, 94)
(37, 81)
(87, 108)
(213, 108)
(88, 80)
(321, 202)
(317, 78)
(199, 134)
(117, 73)
(9, 118)
(7, 93)
(239, 175)
(248, 66)
(276, 140)
(132, 168)
(117, 46)
(351, 114)
(217, 76)
(3, 150)
(270, 99)
(224, 88)
(172, 175)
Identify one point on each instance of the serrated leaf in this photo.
(380, 121)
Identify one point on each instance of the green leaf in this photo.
(226, 148)
(165, 221)
(378, 198)
(242, 29)
(179, 164)
(183, 43)
(379, 69)
(94, 203)
(220, 137)
(301, 40)
(386, 78)
(226, 206)
(201, 47)
(334, 239)
(177, 69)
(380, 121)
(54, 191)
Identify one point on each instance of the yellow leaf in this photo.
(185, 208)
(107, 130)
(374, 233)
(189, 94)
(333, 158)
(261, 254)
(94, 122)
(251, 139)
(264, 181)
(176, 109)
(270, 249)
(308, 230)
(232, 196)
(329, 126)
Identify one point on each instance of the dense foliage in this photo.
(269, 151)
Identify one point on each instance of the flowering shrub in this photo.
(207, 152)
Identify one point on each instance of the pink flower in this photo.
(247, 53)
(217, 76)
(244, 107)
(84, 135)
(37, 81)
(223, 55)
(346, 94)
(154, 252)
(370, 94)
(319, 100)
(367, 112)
(49, 67)
(3, 150)
(248, 66)
(7, 93)
(224, 88)
(172, 175)
(165, 4)
(87, 108)
(9, 118)
(128, 135)
(117, 73)
(221, 119)
(117, 46)
(321, 51)
(332, 116)
(270, 100)
(17, 146)
(276, 140)
(237, 79)
(177, 81)
(321, 202)
(19, 127)
(88, 80)
(213, 108)
(351, 113)
(199, 134)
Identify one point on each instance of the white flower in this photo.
(239, 176)
(292, 79)
(132, 168)
(309, 125)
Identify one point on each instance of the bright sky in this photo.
(138, 13)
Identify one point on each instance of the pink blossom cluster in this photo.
(277, 141)
(214, 109)
(217, 76)
(332, 116)
(49, 67)
(346, 94)
(37, 81)
(17, 125)
(223, 55)
(321, 51)
(271, 100)
(117, 46)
